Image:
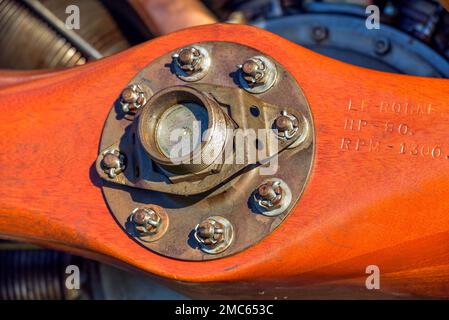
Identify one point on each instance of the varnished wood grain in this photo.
(360, 207)
(9, 77)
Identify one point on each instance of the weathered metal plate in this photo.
(250, 227)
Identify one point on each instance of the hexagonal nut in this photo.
(191, 63)
(113, 162)
(206, 232)
(273, 201)
(270, 195)
(254, 71)
(214, 235)
(146, 221)
(257, 74)
(189, 59)
(287, 126)
(133, 97)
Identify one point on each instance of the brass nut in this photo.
(113, 163)
(191, 63)
(272, 197)
(215, 234)
(257, 74)
(146, 221)
(254, 72)
(287, 126)
(189, 59)
(132, 98)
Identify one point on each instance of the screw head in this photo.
(382, 46)
(132, 98)
(113, 163)
(191, 63)
(146, 221)
(320, 33)
(214, 235)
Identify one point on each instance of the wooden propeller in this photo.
(378, 193)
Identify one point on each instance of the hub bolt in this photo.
(272, 197)
(214, 234)
(270, 194)
(146, 221)
(188, 59)
(191, 63)
(287, 125)
(320, 33)
(133, 98)
(257, 74)
(382, 46)
(254, 72)
(113, 163)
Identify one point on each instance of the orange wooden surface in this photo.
(367, 202)
(10, 77)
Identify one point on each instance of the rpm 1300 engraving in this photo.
(209, 152)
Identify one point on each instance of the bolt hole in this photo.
(254, 110)
(137, 171)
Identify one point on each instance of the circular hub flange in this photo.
(232, 200)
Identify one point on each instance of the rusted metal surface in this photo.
(194, 175)
(230, 196)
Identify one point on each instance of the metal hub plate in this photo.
(234, 204)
